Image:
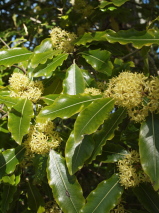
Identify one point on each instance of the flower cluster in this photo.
(130, 171)
(92, 91)
(22, 86)
(83, 8)
(62, 40)
(41, 138)
(135, 92)
(119, 209)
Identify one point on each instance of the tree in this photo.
(79, 106)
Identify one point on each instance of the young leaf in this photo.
(9, 160)
(104, 197)
(149, 148)
(92, 117)
(99, 60)
(65, 106)
(148, 197)
(66, 190)
(107, 132)
(19, 119)
(77, 153)
(74, 81)
(50, 67)
(35, 199)
(13, 56)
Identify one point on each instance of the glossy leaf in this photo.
(65, 106)
(41, 58)
(104, 197)
(115, 2)
(66, 190)
(35, 199)
(148, 197)
(112, 153)
(137, 38)
(19, 119)
(8, 101)
(50, 67)
(49, 99)
(149, 148)
(107, 132)
(13, 56)
(92, 117)
(89, 37)
(99, 60)
(77, 153)
(46, 45)
(9, 159)
(74, 81)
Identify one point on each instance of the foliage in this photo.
(79, 105)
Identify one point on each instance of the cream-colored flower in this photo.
(21, 86)
(92, 91)
(62, 40)
(130, 171)
(41, 138)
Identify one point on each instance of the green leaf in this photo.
(46, 45)
(115, 2)
(8, 101)
(65, 106)
(41, 58)
(107, 132)
(35, 199)
(92, 117)
(7, 197)
(50, 67)
(148, 197)
(19, 119)
(74, 82)
(99, 60)
(49, 99)
(13, 56)
(66, 189)
(149, 148)
(77, 153)
(104, 197)
(112, 153)
(9, 159)
(137, 38)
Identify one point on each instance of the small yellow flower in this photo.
(41, 138)
(92, 91)
(21, 86)
(130, 171)
(62, 40)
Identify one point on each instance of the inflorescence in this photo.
(136, 93)
(62, 40)
(41, 138)
(21, 86)
(130, 171)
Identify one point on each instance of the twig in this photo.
(4, 43)
(22, 69)
(126, 56)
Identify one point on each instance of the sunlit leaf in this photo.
(65, 106)
(149, 148)
(92, 117)
(99, 60)
(74, 81)
(77, 153)
(46, 45)
(8, 101)
(104, 197)
(13, 56)
(50, 67)
(66, 189)
(19, 119)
